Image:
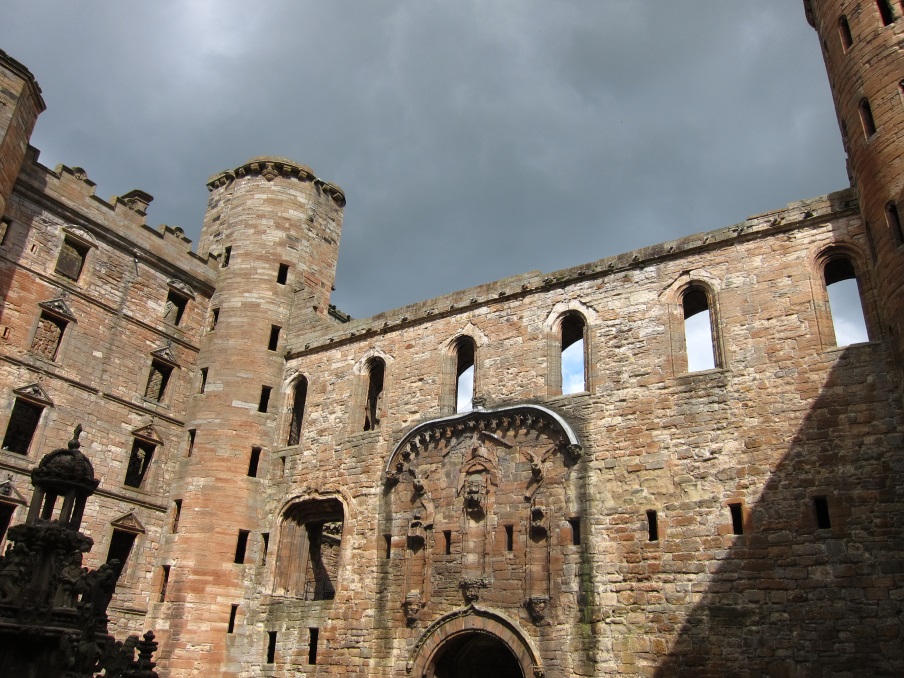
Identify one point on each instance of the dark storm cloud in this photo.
(474, 140)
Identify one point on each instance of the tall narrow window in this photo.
(737, 518)
(844, 32)
(23, 422)
(894, 222)
(265, 546)
(299, 395)
(72, 258)
(227, 255)
(885, 12)
(509, 537)
(174, 308)
(314, 635)
(574, 368)
(264, 403)
(241, 545)
(844, 302)
(373, 401)
(254, 461)
(4, 230)
(158, 379)
(271, 647)
(699, 338)
(191, 442)
(120, 547)
(274, 337)
(866, 118)
(308, 555)
(447, 542)
(575, 524)
(177, 515)
(214, 318)
(203, 384)
(6, 517)
(652, 526)
(48, 336)
(821, 507)
(387, 546)
(233, 611)
(164, 582)
(139, 462)
(465, 349)
(282, 275)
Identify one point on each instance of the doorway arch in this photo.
(471, 643)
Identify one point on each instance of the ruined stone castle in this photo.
(290, 492)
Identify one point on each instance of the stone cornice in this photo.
(8, 62)
(271, 167)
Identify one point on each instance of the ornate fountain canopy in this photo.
(66, 468)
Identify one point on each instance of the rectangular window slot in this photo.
(274, 337)
(214, 318)
(447, 538)
(72, 259)
(48, 336)
(203, 386)
(821, 505)
(254, 461)
(264, 402)
(177, 514)
(191, 441)
(164, 582)
(575, 531)
(23, 422)
(6, 517)
(157, 381)
(509, 538)
(271, 646)
(265, 546)
(174, 308)
(283, 274)
(312, 645)
(652, 525)
(4, 229)
(139, 462)
(387, 540)
(241, 545)
(233, 611)
(227, 255)
(120, 548)
(737, 518)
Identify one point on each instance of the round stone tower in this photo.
(861, 45)
(273, 229)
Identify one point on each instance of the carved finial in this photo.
(74, 443)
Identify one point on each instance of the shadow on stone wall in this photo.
(788, 599)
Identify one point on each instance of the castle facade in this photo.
(533, 477)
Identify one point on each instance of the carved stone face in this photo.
(474, 492)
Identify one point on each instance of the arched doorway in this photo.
(474, 655)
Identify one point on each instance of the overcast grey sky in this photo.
(474, 139)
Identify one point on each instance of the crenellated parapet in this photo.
(271, 167)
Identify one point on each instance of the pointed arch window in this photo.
(573, 353)
(376, 370)
(845, 303)
(299, 396)
(700, 336)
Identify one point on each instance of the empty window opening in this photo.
(23, 422)
(310, 541)
(274, 337)
(885, 12)
(698, 331)
(264, 402)
(164, 582)
(652, 526)
(845, 305)
(241, 545)
(139, 462)
(48, 336)
(574, 369)
(387, 546)
(509, 538)
(254, 461)
(447, 542)
(299, 395)
(191, 441)
(894, 222)
(72, 258)
(821, 506)
(158, 379)
(265, 546)
(233, 611)
(6, 517)
(373, 402)
(314, 636)
(174, 308)
(227, 255)
(844, 32)
(214, 318)
(120, 548)
(177, 515)
(271, 647)
(282, 467)
(282, 275)
(737, 518)
(575, 524)
(464, 374)
(203, 385)
(4, 230)
(866, 118)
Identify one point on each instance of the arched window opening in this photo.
(844, 31)
(699, 339)
(574, 368)
(866, 118)
(894, 222)
(299, 395)
(307, 563)
(844, 302)
(885, 12)
(465, 350)
(373, 402)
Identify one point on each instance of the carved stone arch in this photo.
(293, 407)
(361, 366)
(470, 330)
(822, 256)
(673, 295)
(554, 319)
(568, 322)
(455, 352)
(474, 620)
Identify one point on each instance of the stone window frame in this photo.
(31, 396)
(674, 297)
(82, 242)
(360, 388)
(58, 312)
(161, 358)
(177, 290)
(293, 426)
(825, 325)
(127, 524)
(448, 401)
(553, 330)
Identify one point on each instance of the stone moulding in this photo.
(271, 167)
(532, 417)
